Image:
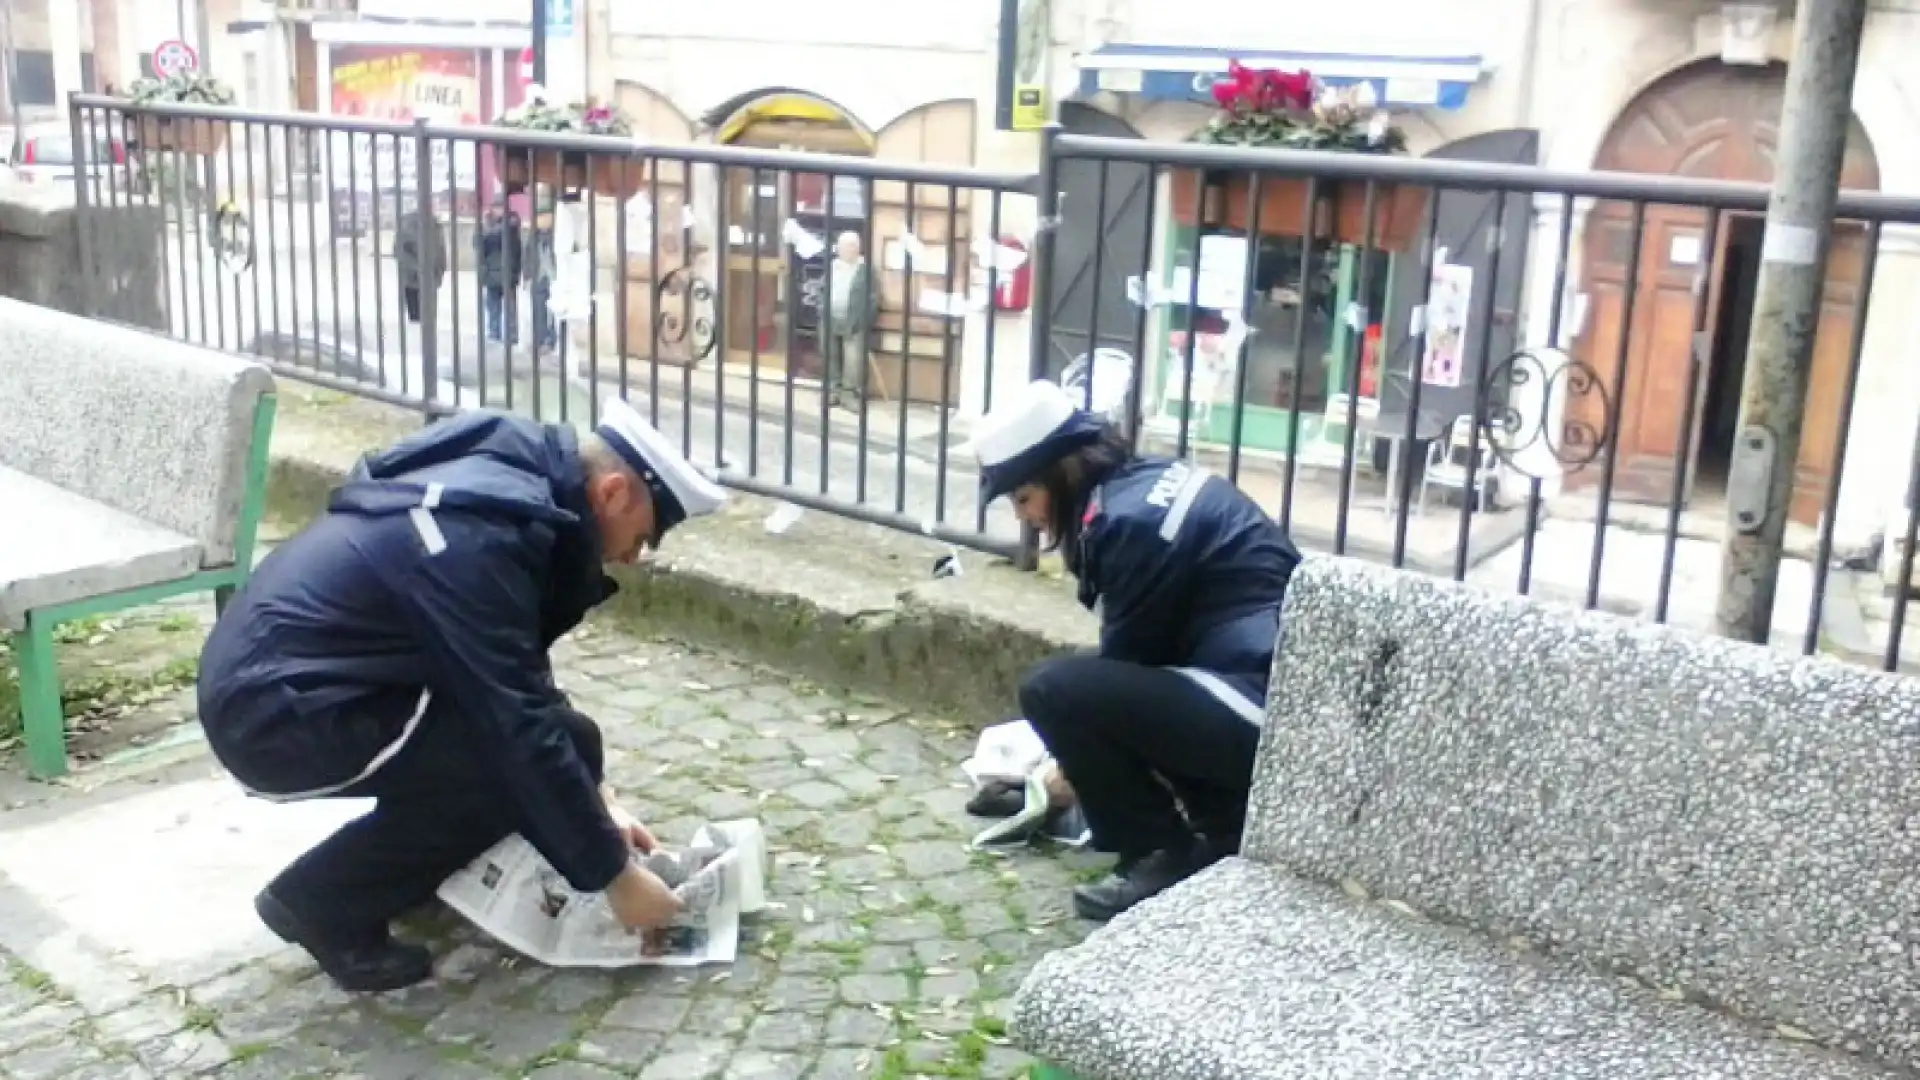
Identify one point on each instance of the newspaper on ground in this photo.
(1012, 753)
(515, 895)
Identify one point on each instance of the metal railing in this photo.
(1499, 373)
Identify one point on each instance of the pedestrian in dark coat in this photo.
(418, 255)
(1186, 574)
(397, 648)
(497, 249)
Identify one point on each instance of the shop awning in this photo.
(1182, 73)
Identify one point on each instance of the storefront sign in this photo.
(404, 83)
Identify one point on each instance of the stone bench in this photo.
(132, 468)
(1498, 839)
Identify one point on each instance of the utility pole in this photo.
(540, 41)
(1793, 269)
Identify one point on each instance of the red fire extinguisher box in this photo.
(1013, 289)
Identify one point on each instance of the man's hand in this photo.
(640, 900)
(629, 826)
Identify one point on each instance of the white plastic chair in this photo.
(1464, 461)
(1366, 417)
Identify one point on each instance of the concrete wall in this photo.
(40, 257)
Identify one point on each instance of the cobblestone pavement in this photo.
(891, 953)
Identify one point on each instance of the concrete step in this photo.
(1249, 972)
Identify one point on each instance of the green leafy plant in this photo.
(186, 88)
(536, 113)
(1293, 110)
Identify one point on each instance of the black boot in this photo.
(1134, 880)
(383, 964)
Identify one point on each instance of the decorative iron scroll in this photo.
(684, 303)
(1541, 405)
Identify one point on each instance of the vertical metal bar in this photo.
(722, 222)
(864, 436)
(1247, 287)
(1856, 348)
(153, 194)
(1619, 390)
(233, 186)
(379, 268)
(824, 343)
(1470, 498)
(793, 338)
(210, 231)
(1555, 315)
(909, 304)
(253, 248)
(83, 155)
(622, 239)
(1183, 444)
(1307, 231)
(723, 253)
(760, 226)
(429, 282)
(178, 174)
(593, 195)
(453, 270)
(1350, 443)
(1098, 271)
(946, 357)
(1696, 370)
(656, 219)
(1136, 381)
(272, 251)
(1046, 227)
(992, 321)
(313, 255)
(1399, 501)
(333, 260)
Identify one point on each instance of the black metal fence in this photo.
(1512, 376)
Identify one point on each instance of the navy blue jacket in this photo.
(347, 622)
(1184, 571)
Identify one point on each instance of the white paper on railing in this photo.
(951, 305)
(803, 242)
(572, 294)
(1000, 257)
(517, 897)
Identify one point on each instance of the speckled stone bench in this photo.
(1498, 839)
(132, 468)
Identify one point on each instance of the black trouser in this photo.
(441, 805)
(410, 297)
(1131, 739)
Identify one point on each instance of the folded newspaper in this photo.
(516, 896)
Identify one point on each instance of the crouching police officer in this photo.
(397, 648)
(1186, 575)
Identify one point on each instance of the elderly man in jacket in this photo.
(397, 648)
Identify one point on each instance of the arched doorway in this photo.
(1712, 121)
(772, 316)
(1101, 244)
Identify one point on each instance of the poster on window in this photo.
(1449, 300)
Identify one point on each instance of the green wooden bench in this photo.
(133, 468)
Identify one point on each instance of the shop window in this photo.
(1296, 319)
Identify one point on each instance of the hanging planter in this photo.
(569, 172)
(1294, 111)
(180, 134)
(1339, 215)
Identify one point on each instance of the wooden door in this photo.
(1647, 405)
(1709, 120)
(756, 268)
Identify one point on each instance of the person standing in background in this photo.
(497, 255)
(416, 258)
(540, 272)
(852, 305)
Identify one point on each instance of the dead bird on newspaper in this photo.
(1016, 781)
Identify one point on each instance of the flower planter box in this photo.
(180, 134)
(571, 171)
(1399, 210)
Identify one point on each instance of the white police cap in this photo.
(1017, 439)
(680, 491)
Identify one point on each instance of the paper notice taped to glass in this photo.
(517, 897)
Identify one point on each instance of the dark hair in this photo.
(1069, 483)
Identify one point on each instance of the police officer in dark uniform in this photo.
(397, 648)
(1186, 575)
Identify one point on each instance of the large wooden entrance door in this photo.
(1719, 122)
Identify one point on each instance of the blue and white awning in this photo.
(1180, 73)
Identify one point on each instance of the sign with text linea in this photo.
(172, 58)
